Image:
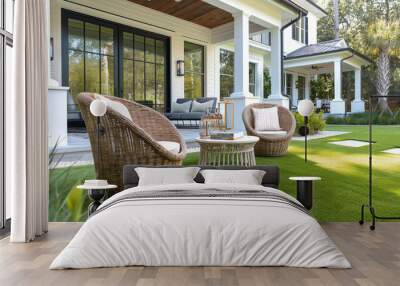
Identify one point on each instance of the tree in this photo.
(336, 18)
(384, 40)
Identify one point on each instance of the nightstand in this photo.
(96, 190)
(305, 187)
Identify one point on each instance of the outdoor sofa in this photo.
(191, 117)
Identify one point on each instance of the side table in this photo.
(96, 194)
(305, 187)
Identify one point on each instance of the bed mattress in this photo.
(201, 225)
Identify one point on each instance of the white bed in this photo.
(200, 231)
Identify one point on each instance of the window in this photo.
(112, 59)
(226, 86)
(226, 59)
(144, 69)
(194, 70)
(301, 87)
(288, 80)
(252, 78)
(300, 30)
(6, 44)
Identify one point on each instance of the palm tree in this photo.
(384, 40)
(336, 18)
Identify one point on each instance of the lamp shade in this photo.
(305, 107)
(98, 107)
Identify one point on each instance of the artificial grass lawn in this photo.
(344, 172)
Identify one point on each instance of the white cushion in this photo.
(202, 107)
(266, 119)
(247, 177)
(116, 106)
(273, 132)
(171, 146)
(181, 107)
(166, 176)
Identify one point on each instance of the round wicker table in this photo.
(238, 152)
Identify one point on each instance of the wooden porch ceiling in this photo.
(195, 11)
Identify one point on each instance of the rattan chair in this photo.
(270, 144)
(124, 141)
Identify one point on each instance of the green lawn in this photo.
(344, 172)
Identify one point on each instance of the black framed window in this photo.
(113, 59)
(194, 70)
(226, 74)
(301, 87)
(288, 80)
(252, 78)
(300, 30)
(6, 45)
(143, 68)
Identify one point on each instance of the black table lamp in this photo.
(305, 108)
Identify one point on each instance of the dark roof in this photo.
(327, 47)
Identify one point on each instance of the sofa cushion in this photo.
(174, 116)
(192, 116)
(171, 146)
(202, 106)
(116, 106)
(181, 107)
(266, 119)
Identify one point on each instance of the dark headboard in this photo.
(271, 177)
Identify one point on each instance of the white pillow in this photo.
(266, 119)
(202, 107)
(181, 107)
(166, 176)
(116, 106)
(247, 177)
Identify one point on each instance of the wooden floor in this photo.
(375, 257)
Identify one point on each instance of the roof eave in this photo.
(354, 52)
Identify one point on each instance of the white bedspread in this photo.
(200, 231)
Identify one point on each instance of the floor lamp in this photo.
(98, 108)
(305, 108)
(370, 206)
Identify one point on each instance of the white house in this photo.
(134, 49)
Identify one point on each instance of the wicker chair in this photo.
(270, 145)
(123, 141)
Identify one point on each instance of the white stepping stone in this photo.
(351, 143)
(394, 151)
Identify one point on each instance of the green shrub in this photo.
(316, 122)
(363, 119)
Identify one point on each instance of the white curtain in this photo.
(26, 117)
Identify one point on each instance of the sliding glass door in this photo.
(108, 58)
(6, 44)
(143, 68)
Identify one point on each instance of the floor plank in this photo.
(375, 257)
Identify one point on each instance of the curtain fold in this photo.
(27, 148)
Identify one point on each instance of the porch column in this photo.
(337, 104)
(241, 67)
(307, 87)
(276, 96)
(357, 105)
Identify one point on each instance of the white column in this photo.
(357, 105)
(241, 76)
(241, 94)
(307, 87)
(276, 96)
(337, 104)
